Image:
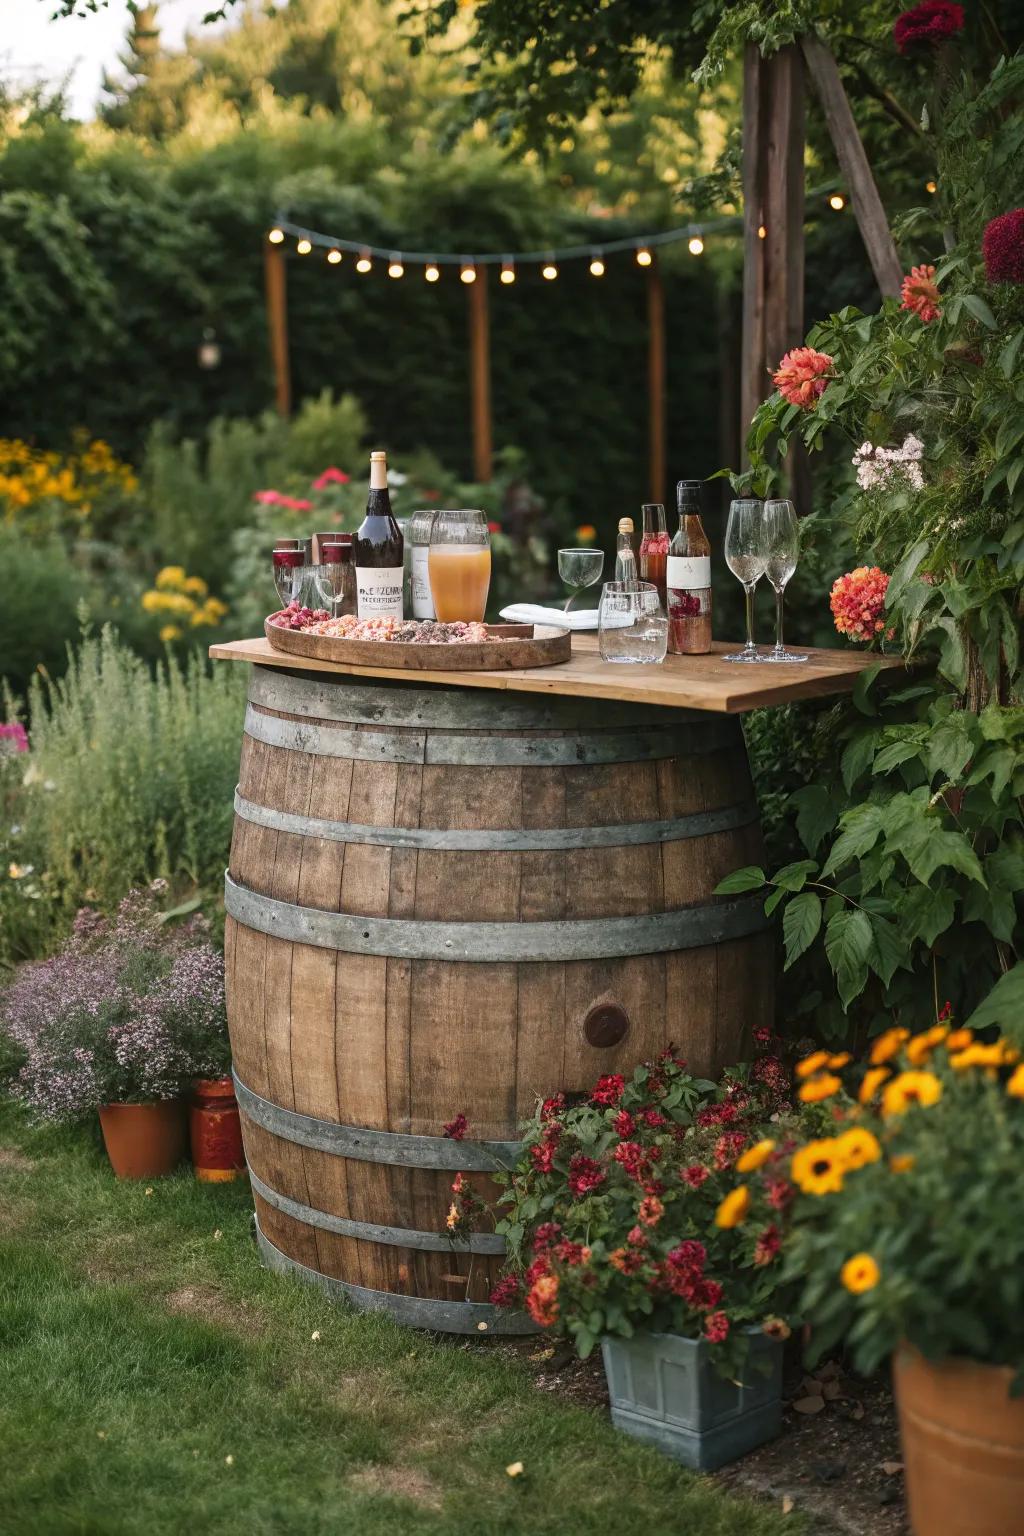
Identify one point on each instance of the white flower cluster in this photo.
(878, 467)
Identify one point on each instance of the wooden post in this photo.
(752, 382)
(480, 376)
(656, 378)
(853, 162)
(277, 325)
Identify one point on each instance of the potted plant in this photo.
(120, 1021)
(624, 1228)
(907, 1242)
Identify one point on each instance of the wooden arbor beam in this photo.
(480, 376)
(656, 379)
(276, 284)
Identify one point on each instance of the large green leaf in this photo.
(749, 878)
(801, 923)
(848, 944)
(927, 846)
(925, 913)
(861, 827)
(1004, 1005)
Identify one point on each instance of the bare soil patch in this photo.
(399, 1482)
(204, 1302)
(13, 1161)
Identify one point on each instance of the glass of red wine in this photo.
(288, 559)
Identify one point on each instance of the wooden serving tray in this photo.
(519, 645)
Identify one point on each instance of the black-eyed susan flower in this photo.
(857, 1147)
(872, 1080)
(887, 1046)
(860, 1274)
(817, 1088)
(812, 1064)
(756, 1156)
(910, 1088)
(817, 1168)
(733, 1209)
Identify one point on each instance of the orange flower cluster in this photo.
(802, 375)
(920, 294)
(857, 601)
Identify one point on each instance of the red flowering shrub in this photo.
(614, 1216)
(928, 25)
(1002, 246)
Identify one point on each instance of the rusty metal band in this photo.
(413, 1311)
(487, 749)
(595, 938)
(373, 701)
(501, 840)
(370, 1232)
(373, 1146)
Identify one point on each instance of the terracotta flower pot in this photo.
(963, 1446)
(144, 1141)
(216, 1130)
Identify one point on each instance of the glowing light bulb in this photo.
(597, 267)
(432, 273)
(395, 267)
(643, 257)
(549, 270)
(276, 236)
(761, 232)
(695, 245)
(304, 246)
(508, 272)
(837, 202)
(334, 256)
(364, 263)
(929, 186)
(468, 273)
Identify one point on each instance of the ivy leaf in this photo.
(926, 913)
(856, 759)
(816, 815)
(1004, 1005)
(750, 878)
(848, 943)
(800, 924)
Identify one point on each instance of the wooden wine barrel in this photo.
(444, 900)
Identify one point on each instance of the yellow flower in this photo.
(999, 1054)
(452, 1218)
(733, 1209)
(195, 586)
(857, 1146)
(887, 1046)
(812, 1064)
(959, 1040)
(817, 1088)
(872, 1080)
(909, 1088)
(921, 1046)
(756, 1156)
(817, 1168)
(860, 1273)
(902, 1162)
(170, 632)
(836, 1062)
(1014, 1086)
(172, 576)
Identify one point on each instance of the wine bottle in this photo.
(378, 551)
(689, 577)
(625, 559)
(654, 548)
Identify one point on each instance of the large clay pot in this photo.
(963, 1446)
(144, 1141)
(215, 1131)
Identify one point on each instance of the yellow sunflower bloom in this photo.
(909, 1088)
(817, 1088)
(887, 1046)
(812, 1064)
(860, 1274)
(817, 1168)
(857, 1147)
(1014, 1086)
(902, 1162)
(872, 1080)
(756, 1156)
(733, 1209)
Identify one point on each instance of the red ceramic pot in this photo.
(144, 1141)
(216, 1131)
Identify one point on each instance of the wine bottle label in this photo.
(379, 591)
(687, 573)
(422, 597)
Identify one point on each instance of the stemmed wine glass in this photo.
(746, 556)
(579, 569)
(288, 559)
(782, 548)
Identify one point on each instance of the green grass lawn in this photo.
(154, 1379)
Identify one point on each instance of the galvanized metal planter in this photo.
(665, 1390)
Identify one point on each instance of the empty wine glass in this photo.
(746, 557)
(632, 626)
(579, 568)
(782, 548)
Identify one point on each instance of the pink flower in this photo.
(857, 601)
(506, 1292)
(624, 1125)
(295, 503)
(584, 1174)
(920, 294)
(268, 498)
(694, 1175)
(553, 1106)
(546, 1235)
(934, 22)
(456, 1129)
(13, 732)
(651, 1211)
(330, 477)
(767, 1246)
(716, 1327)
(542, 1156)
(1002, 246)
(802, 375)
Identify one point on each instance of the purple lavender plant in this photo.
(128, 1011)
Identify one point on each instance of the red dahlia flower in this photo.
(930, 24)
(920, 294)
(1002, 246)
(802, 375)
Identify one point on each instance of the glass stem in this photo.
(780, 593)
(749, 593)
(571, 599)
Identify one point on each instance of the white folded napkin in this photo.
(533, 613)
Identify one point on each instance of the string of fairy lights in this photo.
(643, 248)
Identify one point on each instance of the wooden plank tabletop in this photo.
(680, 682)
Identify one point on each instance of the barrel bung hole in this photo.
(606, 1024)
